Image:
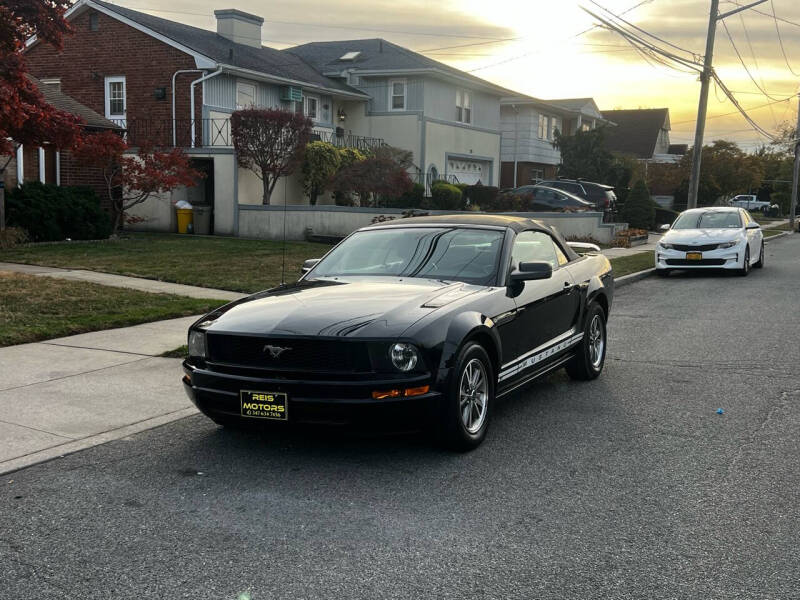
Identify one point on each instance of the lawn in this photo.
(216, 262)
(625, 265)
(36, 308)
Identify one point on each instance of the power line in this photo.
(761, 12)
(755, 61)
(735, 111)
(780, 40)
(741, 60)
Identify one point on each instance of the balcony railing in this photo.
(212, 133)
(342, 139)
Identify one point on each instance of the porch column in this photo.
(58, 167)
(42, 174)
(20, 169)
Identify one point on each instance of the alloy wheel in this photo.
(597, 341)
(473, 395)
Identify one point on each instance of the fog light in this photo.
(417, 391)
(382, 394)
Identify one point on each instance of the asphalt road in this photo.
(631, 486)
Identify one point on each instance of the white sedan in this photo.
(711, 238)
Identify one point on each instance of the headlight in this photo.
(665, 245)
(728, 244)
(404, 356)
(197, 343)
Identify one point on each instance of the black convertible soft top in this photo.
(516, 223)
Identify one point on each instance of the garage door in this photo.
(469, 171)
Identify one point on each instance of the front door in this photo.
(546, 308)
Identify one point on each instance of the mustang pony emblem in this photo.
(275, 351)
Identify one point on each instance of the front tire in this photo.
(760, 263)
(467, 409)
(591, 352)
(746, 267)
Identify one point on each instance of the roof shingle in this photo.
(637, 130)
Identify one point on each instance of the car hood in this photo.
(701, 236)
(346, 307)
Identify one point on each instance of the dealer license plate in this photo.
(264, 405)
(694, 256)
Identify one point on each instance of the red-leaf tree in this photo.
(25, 118)
(269, 142)
(382, 173)
(131, 179)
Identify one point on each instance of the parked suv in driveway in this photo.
(599, 194)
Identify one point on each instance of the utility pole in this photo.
(702, 108)
(796, 174)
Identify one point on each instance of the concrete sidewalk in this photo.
(67, 394)
(134, 283)
(652, 240)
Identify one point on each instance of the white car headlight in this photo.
(404, 356)
(667, 246)
(728, 244)
(197, 343)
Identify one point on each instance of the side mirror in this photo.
(582, 247)
(308, 265)
(665, 227)
(529, 271)
(753, 225)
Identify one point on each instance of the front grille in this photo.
(687, 248)
(705, 262)
(311, 355)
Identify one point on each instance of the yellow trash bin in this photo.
(184, 219)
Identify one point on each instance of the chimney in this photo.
(239, 27)
(52, 83)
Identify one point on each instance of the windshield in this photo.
(468, 255)
(708, 220)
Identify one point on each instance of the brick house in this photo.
(176, 85)
(48, 165)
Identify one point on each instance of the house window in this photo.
(245, 95)
(311, 107)
(115, 98)
(463, 107)
(397, 94)
(554, 124)
(94, 24)
(536, 175)
(542, 127)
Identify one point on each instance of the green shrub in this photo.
(445, 196)
(411, 199)
(507, 202)
(639, 210)
(665, 216)
(483, 195)
(12, 236)
(52, 213)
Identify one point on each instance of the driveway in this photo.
(630, 486)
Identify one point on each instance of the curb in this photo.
(775, 237)
(633, 277)
(62, 450)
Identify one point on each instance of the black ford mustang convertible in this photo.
(424, 321)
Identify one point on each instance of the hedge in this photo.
(445, 196)
(52, 213)
(665, 216)
(482, 195)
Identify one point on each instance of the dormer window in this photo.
(397, 94)
(463, 107)
(350, 56)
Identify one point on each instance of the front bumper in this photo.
(343, 403)
(727, 258)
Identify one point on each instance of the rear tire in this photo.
(467, 408)
(591, 352)
(760, 263)
(746, 268)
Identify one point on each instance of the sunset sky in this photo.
(548, 49)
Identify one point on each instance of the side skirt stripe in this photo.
(540, 356)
